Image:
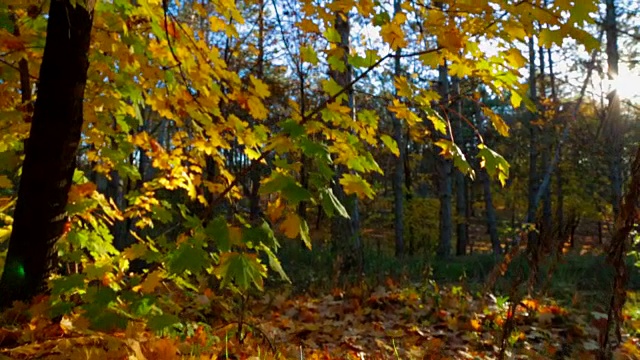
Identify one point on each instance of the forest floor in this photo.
(414, 308)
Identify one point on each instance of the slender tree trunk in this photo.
(23, 68)
(445, 170)
(613, 124)
(559, 220)
(492, 219)
(408, 186)
(547, 221)
(462, 233)
(49, 163)
(490, 211)
(256, 170)
(532, 241)
(345, 232)
(398, 174)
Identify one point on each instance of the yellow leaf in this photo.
(354, 184)
(459, 69)
(365, 7)
(291, 225)
(515, 58)
(216, 24)
(308, 26)
(151, 282)
(515, 30)
(497, 121)
(260, 88)
(550, 37)
(256, 108)
(391, 144)
(516, 99)
(393, 35)
(451, 39)
(402, 87)
(432, 59)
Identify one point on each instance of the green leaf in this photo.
(241, 269)
(308, 54)
(313, 149)
(262, 234)
(304, 233)
(143, 306)
(439, 124)
(218, 230)
(337, 63)
(67, 284)
(391, 144)
(381, 18)
(331, 87)
(295, 193)
(332, 35)
(451, 151)
(275, 183)
(5, 20)
(161, 322)
(331, 204)
(494, 163)
(188, 257)
(547, 38)
(274, 263)
(107, 320)
(370, 58)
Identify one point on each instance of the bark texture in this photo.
(50, 153)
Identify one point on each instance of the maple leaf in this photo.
(355, 184)
(497, 121)
(151, 282)
(393, 35)
(242, 269)
(308, 26)
(495, 164)
(291, 225)
(391, 144)
(308, 54)
(259, 87)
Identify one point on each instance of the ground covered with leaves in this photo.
(386, 322)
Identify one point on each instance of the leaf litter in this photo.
(383, 323)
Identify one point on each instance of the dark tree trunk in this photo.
(547, 221)
(256, 169)
(445, 174)
(50, 153)
(492, 219)
(532, 236)
(460, 181)
(398, 173)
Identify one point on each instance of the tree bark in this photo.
(460, 181)
(547, 221)
(445, 169)
(398, 174)
(613, 125)
(50, 153)
(532, 240)
(345, 232)
(490, 213)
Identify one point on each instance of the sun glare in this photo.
(627, 83)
